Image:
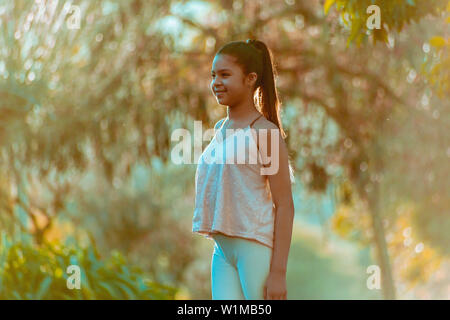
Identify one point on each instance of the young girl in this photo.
(248, 213)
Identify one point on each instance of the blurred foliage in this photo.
(415, 258)
(395, 15)
(420, 261)
(86, 115)
(352, 224)
(437, 67)
(150, 230)
(31, 272)
(318, 271)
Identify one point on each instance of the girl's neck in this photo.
(241, 115)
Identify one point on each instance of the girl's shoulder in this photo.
(263, 123)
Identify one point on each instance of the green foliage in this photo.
(394, 15)
(30, 272)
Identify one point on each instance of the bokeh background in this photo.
(91, 91)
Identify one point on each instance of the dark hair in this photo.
(255, 56)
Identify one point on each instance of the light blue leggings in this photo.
(239, 268)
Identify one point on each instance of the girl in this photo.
(248, 214)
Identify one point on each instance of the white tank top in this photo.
(232, 197)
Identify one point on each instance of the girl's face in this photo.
(228, 81)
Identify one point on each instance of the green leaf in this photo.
(108, 288)
(43, 288)
(129, 294)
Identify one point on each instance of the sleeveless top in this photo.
(231, 196)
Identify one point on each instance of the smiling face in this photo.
(228, 77)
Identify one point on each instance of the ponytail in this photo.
(268, 100)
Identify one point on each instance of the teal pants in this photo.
(239, 268)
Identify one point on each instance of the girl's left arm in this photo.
(280, 187)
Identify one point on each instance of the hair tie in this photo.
(252, 42)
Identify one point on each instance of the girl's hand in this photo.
(275, 286)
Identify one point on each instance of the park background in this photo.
(91, 91)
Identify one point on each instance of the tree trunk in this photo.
(387, 282)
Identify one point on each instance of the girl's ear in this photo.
(252, 78)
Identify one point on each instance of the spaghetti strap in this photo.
(255, 120)
(250, 125)
(222, 124)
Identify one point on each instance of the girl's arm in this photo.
(280, 187)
